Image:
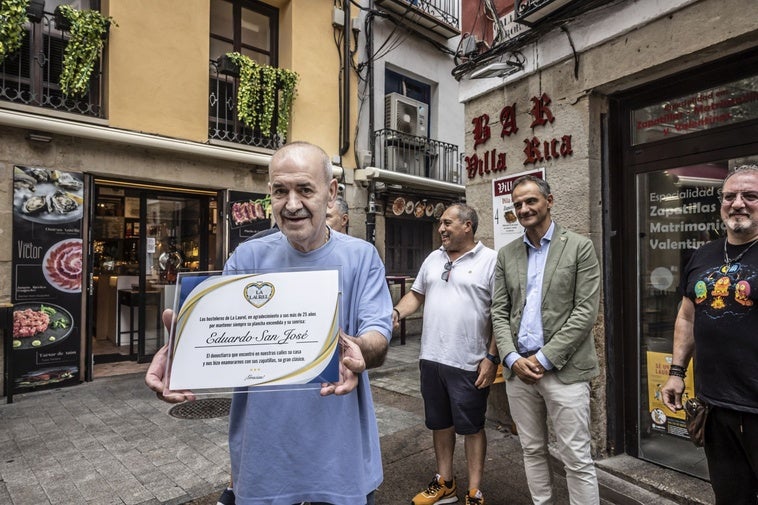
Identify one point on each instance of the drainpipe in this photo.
(371, 211)
(371, 215)
(345, 106)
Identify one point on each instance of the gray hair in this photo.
(467, 213)
(740, 169)
(542, 184)
(341, 205)
(302, 145)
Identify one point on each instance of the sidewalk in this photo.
(112, 442)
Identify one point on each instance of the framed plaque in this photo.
(258, 329)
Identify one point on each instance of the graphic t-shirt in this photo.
(726, 324)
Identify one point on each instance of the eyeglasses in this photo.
(750, 197)
(446, 273)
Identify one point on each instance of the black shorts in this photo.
(452, 399)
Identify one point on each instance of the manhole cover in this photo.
(202, 409)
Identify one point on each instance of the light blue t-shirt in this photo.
(292, 446)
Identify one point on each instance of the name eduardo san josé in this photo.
(264, 336)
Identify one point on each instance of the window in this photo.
(31, 75)
(249, 28)
(398, 83)
(408, 242)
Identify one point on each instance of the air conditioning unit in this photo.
(405, 115)
(405, 161)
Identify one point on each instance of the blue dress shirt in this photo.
(530, 336)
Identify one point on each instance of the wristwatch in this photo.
(493, 358)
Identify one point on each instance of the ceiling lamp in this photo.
(501, 68)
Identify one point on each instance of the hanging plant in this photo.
(288, 82)
(247, 91)
(257, 97)
(88, 31)
(268, 95)
(12, 19)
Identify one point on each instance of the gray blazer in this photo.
(570, 298)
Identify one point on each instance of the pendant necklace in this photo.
(728, 261)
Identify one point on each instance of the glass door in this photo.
(142, 238)
(175, 242)
(677, 212)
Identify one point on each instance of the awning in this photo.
(410, 181)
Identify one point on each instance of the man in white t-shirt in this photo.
(458, 354)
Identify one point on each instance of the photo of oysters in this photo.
(43, 195)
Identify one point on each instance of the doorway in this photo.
(141, 236)
(672, 146)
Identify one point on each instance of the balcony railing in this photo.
(30, 76)
(224, 123)
(420, 156)
(437, 16)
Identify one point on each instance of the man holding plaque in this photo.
(296, 445)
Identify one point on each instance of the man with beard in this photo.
(718, 322)
(458, 358)
(290, 446)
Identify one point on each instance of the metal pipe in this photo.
(345, 119)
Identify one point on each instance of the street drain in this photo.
(202, 409)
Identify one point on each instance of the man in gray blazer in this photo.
(547, 289)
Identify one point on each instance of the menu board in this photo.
(248, 213)
(47, 277)
(505, 225)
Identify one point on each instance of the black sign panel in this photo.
(247, 213)
(47, 277)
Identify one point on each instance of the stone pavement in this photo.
(111, 441)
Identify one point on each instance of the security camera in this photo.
(341, 187)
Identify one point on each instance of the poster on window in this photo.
(47, 277)
(663, 419)
(248, 214)
(504, 221)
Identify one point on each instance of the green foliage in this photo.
(288, 80)
(257, 94)
(88, 30)
(247, 91)
(12, 19)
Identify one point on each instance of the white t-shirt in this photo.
(457, 326)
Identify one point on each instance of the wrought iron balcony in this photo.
(436, 16)
(224, 123)
(419, 156)
(30, 76)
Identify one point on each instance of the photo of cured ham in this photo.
(246, 212)
(62, 266)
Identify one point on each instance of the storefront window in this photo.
(678, 211)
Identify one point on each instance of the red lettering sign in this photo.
(481, 129)
(508, 120)
(540, 111)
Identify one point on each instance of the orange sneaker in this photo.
(474, 497)
(437, 493)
